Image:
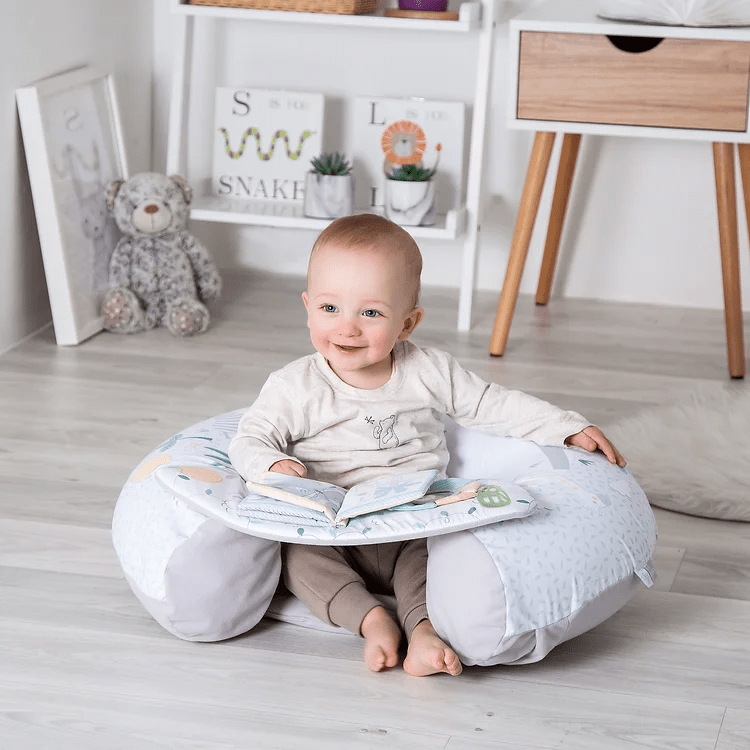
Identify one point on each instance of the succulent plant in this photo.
(332, 164)
(411, 173)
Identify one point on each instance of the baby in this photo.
(369, 403)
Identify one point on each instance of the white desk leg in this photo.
(726, 200)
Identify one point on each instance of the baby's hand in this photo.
(592, 438)
(287, 466)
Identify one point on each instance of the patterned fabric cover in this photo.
(500, 593)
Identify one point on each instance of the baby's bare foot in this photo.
(382, 638)
(427, 654)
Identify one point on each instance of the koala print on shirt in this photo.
(385, 434)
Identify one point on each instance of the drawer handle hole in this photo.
(635, 44)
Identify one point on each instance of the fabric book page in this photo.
(385, 492)
(323, 497)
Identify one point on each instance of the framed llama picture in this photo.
(263, 142)
(73, 143)
(391, 132)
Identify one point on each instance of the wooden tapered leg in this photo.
(568, 157)
(532, 193)
(726, 200)
(744, 152)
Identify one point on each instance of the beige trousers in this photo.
(337, 583)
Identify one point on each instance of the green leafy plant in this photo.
(331, 164)
(411, 173)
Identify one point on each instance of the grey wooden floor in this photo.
(82, 665)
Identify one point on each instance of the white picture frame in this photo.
(73, 141)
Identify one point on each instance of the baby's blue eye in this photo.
(370, 313)
(329, 308)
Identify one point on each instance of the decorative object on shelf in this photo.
(389, 133)
(159, 273)
(263, 141)
(345, 7)
(426, 9)
(329, 187)
(433, 6)
(410, 195)
(678, 12)
(73, 143)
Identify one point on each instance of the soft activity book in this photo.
(322, 503)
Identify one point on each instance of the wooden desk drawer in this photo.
(680, 83)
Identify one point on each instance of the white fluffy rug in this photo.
(693, 457)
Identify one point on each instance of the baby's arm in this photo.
(493, 408)
(591, 439)
(264, 434)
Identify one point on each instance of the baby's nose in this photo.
(350, 328)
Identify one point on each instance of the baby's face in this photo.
(358, 305)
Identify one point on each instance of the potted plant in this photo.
(329, 187)
(410, 195)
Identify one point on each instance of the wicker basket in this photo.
(346, 7)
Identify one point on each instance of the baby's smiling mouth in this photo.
(343, 348)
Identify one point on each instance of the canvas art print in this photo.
(263, 143)
(390, 132)
(73, 149)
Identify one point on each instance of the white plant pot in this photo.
(410, 203)
(328, 196)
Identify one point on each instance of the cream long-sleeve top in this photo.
(346, 435)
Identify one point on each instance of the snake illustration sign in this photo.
(263, 142)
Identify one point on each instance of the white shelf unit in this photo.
(477, 17)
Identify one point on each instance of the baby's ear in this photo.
(411, 321)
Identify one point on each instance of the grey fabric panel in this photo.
(219, 584)
(534, 646)
(465, 596)
(467, 606)
(602, 607)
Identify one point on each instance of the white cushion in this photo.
(678, 12)
(502, 593)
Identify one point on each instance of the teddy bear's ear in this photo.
(184, 185)
(110, 193)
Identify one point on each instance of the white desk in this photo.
(575, 73)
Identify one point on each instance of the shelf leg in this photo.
(532, 194)
(179, 96)
(474, 206)
(565, 171)
(726, 200)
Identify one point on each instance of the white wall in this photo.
(40, 38)
(642, 225)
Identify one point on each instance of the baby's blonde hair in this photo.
(372, 232)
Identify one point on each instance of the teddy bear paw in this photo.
(187, 318)
(121, 312)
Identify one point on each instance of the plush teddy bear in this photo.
(159, 274)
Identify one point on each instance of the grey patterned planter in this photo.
(410, 203)
(328, 196)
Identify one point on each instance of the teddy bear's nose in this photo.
(152, 208)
